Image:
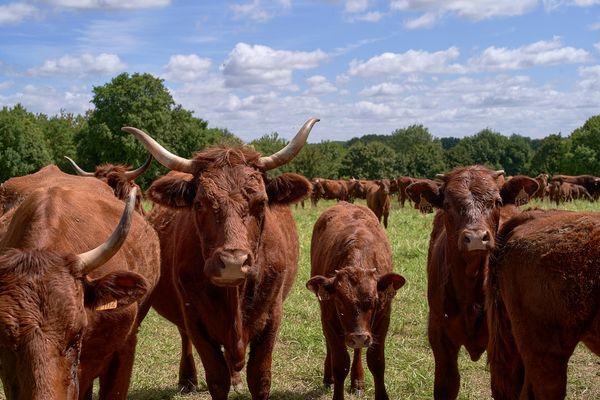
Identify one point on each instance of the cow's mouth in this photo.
(227, 282)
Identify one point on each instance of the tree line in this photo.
(30, 141)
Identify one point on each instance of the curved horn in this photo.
(131, 175)
(440, 176)
(79, 171)
(286, 154)
(498, 173)
(162, 155)
(94, 258)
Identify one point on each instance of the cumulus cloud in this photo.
(382, 90)
(538, 53)
(412, 61)
(426, 20)
(474, 10)
(187, 68)
(15, 13)
(553, 4)
(372, 16)
(261, 65)
(257, 11)
(318, 85)
(356, 6)
(50, 100)
(597, 46)
(80, 65)
(109, 4)
(5, 85)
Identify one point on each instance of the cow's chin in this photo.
(227, 282)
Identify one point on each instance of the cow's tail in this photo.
(504, 361)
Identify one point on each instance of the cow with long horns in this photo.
(229, 256)
(68, 314)
(119, 177)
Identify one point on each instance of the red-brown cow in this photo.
(118, 177)
(378, 199)
(229, 255)
(590, 182)
(403, 182)
(543, 297)
(470, 206)
(67, 315)
(542, 180)
(351, 274)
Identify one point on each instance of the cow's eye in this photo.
(498, 203)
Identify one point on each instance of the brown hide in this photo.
(402, 184)
(334, 189)
(114, 176)
(543, 297)
(229, 257)
(542, 180)
(378, 199)
(471, 206)
(49, 308)
(351, 274)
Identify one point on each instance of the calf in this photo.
(351, 274)
(471, 205)
(543, 298)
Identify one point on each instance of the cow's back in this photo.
(342, 230)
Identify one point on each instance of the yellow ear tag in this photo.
(522, 198)
(424, 206)
(107, 306)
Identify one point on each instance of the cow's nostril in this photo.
(486, 237)
(467, 239)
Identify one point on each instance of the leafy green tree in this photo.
(368, 161)
(517, 155)
(59, 133)
(585, 145)
(319, 160)
(417, 153)
(22, 145)
(550, 157)
(486, 147)
(142, 101)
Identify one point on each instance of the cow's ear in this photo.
(287, 188)
(518, 190)
(425, 190)
(113, 290)
(175, 190)
(321, 286)
(387, 285)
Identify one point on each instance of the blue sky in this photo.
(363, 66)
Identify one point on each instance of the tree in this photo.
(59, 133)
(550, 157)
(368, 161)
(585, 145)
(22, 145)
(142, 101)
(319, 160)
(517, 155)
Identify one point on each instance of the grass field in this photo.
(300, 350)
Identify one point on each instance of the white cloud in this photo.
(14, 13)
(595, 27)
(109, 4)
(382, 90)
(597, 46)
(187, 67)
(356, 6)
(111, 36)
(553, 4)
(318, 85)
(427, 20)
(261, 65)
(80, 65)
(368, 109)
(474, 10)
(412, 61)
(50, 100)
(590, 78)
(6, 84)
(252, 10)
(538, 53)
(372, 16)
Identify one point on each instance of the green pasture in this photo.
(300, 350)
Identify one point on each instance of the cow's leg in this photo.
(357, 374)
(385, 219)
(546, 371)
(447, 379)
(188, 377)
(376, 354)
(260, 359)
(340, 360)
(328, 369)
(114, 382)
(236, 380)
(216, 369)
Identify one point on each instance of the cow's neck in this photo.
(468, 289)
(235, 342)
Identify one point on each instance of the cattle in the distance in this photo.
(402, 184)
(590, 182)
(229, 256)
(351, 274)
(543, 298)
(119, 177)
(470, 207)
(68, 314)
(378, 199)
(542, 180)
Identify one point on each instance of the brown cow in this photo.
(543, 298)
(68, 315)
(590, 182)
(118, 177)
(470, 206)
(229, 255)
(402, 184)
(351, 274)
(378, 199)
(542, 180)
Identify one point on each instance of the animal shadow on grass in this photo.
(171, 393)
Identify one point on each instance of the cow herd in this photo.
(81, 263)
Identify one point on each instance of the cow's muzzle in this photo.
(235, 265)
(475, 240)
(358, 340)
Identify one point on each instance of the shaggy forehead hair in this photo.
(222, 156)
(474, 184)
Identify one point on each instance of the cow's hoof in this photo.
(358, 392)
(187, 387)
